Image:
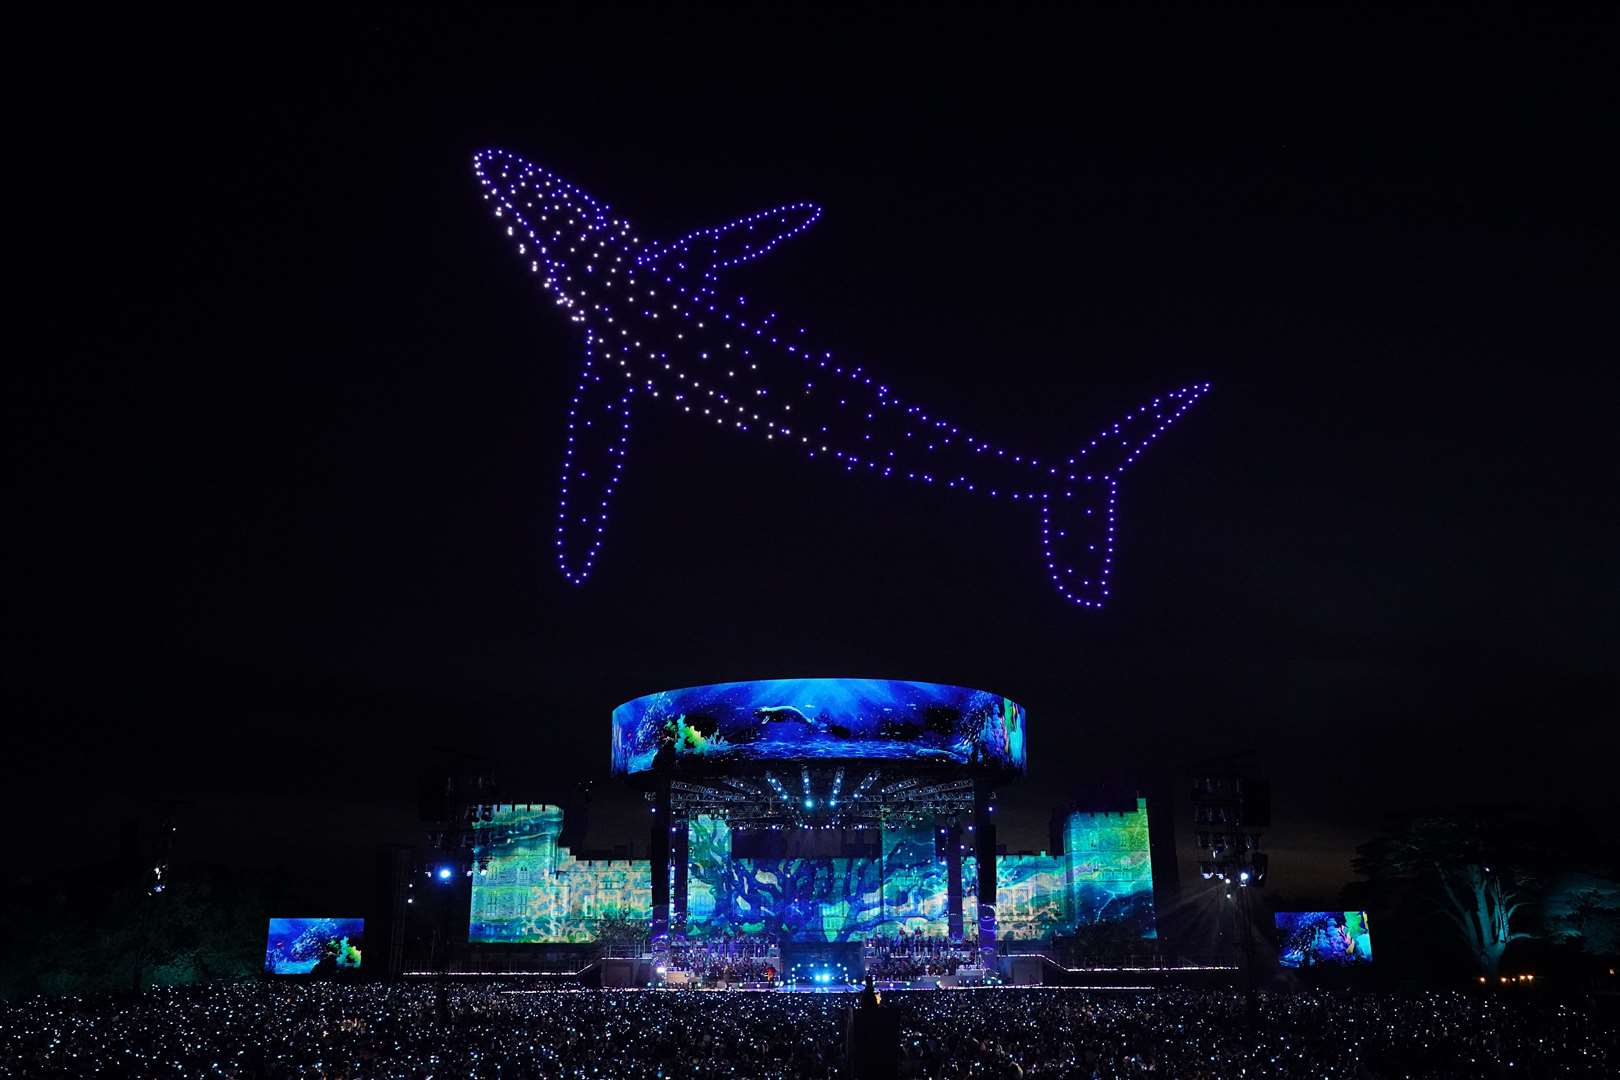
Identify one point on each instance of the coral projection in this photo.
(534, 890)
(313, 946)
(806, 719)
(656, 329)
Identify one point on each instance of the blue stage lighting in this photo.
(444, 873)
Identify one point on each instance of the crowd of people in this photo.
(739, 961)
(338, 1030)
(908, 958)
(728, 962)
(734, 962)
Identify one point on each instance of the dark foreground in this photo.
(316, 1030)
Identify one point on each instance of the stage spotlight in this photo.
(444, 873)
(809, 804)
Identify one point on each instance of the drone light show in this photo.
(655, 328)
(768, 720)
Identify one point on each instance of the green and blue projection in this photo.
(1100, 887)
(796, 720)
(815, 898)
(536, 891)
(1318, 938)
(313, 946)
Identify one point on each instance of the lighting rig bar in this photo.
(820, 800)
(1230, 813)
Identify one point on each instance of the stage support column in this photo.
(984, 854)
(679, 841)
(660, 834)
(952, 845)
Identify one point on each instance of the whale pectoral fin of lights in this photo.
(706, 252)
(658, 330)
(596, 441)
(1077, 518)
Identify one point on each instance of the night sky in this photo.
(284, 417)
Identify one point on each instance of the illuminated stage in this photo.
(813, 827)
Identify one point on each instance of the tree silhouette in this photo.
(1476, 869)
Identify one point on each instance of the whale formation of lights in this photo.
(655, 327)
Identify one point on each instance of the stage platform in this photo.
(1022, 971)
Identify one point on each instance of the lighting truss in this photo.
(819, 802)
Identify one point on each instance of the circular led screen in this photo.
(770, 720)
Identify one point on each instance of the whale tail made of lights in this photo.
(657, 330)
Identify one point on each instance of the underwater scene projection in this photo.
(535, 891)
(313, 946)
(799, 719)
(1312, 938)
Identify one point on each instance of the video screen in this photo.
(813, 898)
(816, 898)
(798, 719)
(916, 885)
(534, 890)
(1316, 938)
(314, 946)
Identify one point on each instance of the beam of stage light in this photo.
(656, 329)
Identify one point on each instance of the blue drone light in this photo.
(655, 327)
